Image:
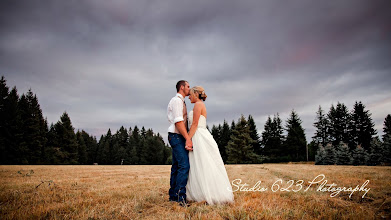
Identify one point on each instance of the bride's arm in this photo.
(196, 116)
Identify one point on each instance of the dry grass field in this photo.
(140, 192)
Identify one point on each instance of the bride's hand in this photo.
(189, 145)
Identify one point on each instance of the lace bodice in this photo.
(201, 121)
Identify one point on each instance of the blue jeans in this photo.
(179, 169)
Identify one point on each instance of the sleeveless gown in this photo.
(208, 180)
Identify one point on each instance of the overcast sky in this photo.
(114, 63)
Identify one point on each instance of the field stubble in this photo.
(140, 192)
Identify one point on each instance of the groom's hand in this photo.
(189, 145)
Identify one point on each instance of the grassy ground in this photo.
(140, 192)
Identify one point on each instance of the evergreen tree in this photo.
(295, 143)
(359, 156)
(272, 139)
(375, 155)
(254, 135)
(4, 149)
(53, 150)
(91, 147)
(240, 148)
(11, 133)
(121, 145)
(154, 148)
(321, 124)
(233, 125)
(320, 157)
(339, 118)
(269, 149)
(164, 151)
(143, 132)
(343, 156)
(141, 148)
(135, 143)
(82, 148)
(34, 126)
(100, 157)
(361, 127)
(387, 139)
(67, 139)
(108, 148)
(330, 157)
(312, 149)
(225, 136)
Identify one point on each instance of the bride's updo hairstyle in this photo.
(198, 90)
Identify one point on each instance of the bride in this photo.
(208, 180)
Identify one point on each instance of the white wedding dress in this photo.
(208, 180)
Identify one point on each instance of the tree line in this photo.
(26, 138)
(240, 142)
(346, 137)
(341, 137)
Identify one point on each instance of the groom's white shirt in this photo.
(176, 112)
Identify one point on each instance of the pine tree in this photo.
(233, 125)
(254, 135)
(135, 143)
(154, 148)
(343, 156)
(330, 157)
(361, 127)
(387, 139)
(240, 148)
(100, 157)
(269, 149)
(320, 157)
(312, 149)
(295, 144)
(375, 155)
(165, 150)
(5, 158)
(34, 126)
(339, 119)
(321, 124)
(91, 147)
(359, 156)
(82, 148)
(107, 144)
(141, 149)
(11, 129)
(67, 139)
(52, 148)
(225, 136)
(121, 145)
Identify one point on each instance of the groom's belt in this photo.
(173, 133)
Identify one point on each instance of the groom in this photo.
(180, 143)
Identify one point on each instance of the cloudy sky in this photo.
(114, 63)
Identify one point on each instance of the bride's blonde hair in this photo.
(200, 91)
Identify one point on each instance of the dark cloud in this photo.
(116, 63)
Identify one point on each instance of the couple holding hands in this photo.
(197, 173)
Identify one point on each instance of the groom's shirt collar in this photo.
(180, 96)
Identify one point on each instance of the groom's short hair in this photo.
(179, 84)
